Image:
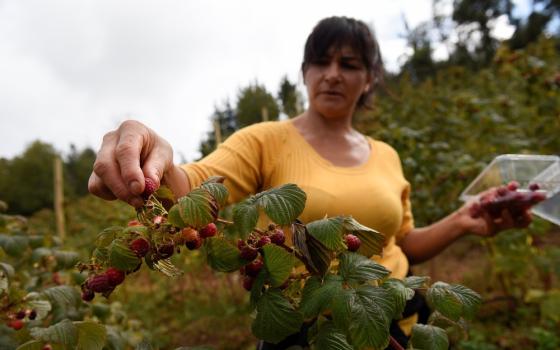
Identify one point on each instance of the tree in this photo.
(224, 118)
(77, 169)
(290, 98)
(251, 103)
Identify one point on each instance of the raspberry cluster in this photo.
(17, 320)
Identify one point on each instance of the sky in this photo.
(72, 70)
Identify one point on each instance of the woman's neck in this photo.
(318, 124)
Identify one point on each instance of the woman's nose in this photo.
(332, 71)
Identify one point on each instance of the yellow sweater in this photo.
(270, 154)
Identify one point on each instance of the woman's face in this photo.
(336, 82)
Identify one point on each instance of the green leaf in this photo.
(341, 306)
(8, 269)
(64, 332)
(13, 245)
(329, 232)
(221, 255)
(4, 282)
(278, 262)
(218, 191)
(66, 259)
(276, 318)
(453, 301)
(400, 292)
(257, 288)
(426, 337)
(245, 216)
(372, 241)
(42, 307)
(36, 241)
(356, 268)
(91, 336)
(121, 257)
(100, 256)
(107, 236)
(174, 217)
(317, 257)
(282, 204)
(371, 313)
(331, 338)
(317, 294)
(39, 253)
(31, 345)
(144, 345)
(63, 295)
(198, 208)
(417, 282)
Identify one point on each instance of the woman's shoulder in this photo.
(268, 131)
(383, 148)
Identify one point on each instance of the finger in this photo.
(97, 188)
(158, 162)
(505, 221)
(523, 220)
(133, 139)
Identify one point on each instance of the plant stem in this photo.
(224, 221)
(394, 344)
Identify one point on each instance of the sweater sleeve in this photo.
(243, 159)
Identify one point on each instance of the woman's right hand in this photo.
(127, 156)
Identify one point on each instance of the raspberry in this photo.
(149, 188)
(192, 238)
(513, 185)
(115, 276)
(248, 282)
(353, 242)
(16, 324)
(248, 253)
(134, 222)
(253, 268)
(99, 283)
(32, 314)
(87, 294)
(240, 244)
(278, 237)
(264, 240)
(209, 230)
(20, 315)
(47, 347)
(534, 187)
(158, 220)
(166, 250)
(140, 247)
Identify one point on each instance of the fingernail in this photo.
(135, 187)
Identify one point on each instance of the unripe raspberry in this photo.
(32, 314)
(278, 237)
(149, 188)
(166, 250)
(254, 267)
(248, 282)
(353, 242)
(248, 253)
(16, 324)
(209, 230)
(140, 247)
(134, 222)
(192, 238)
(115, 276)
(20, 314)
(87, 294)
(158, 220)
(264, 240)
(99, 283)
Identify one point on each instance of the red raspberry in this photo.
(99, 283)
(149, 188)
(140, 247)
(32, 314)
(192, 238)
(264, 240)
(248, 282)
(209, 230)
(241, 243)
(87, 294)
(166, 250)
(534, 187)
(16, 324)
(115, 276)
(278, 237)
(513, 185)
(21, 315)
(353, 242)
(254, 267)
(248, 253)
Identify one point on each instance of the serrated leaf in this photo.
(356, 268)
(331, 338)
(64, 332)
(121, 257)
(107, 236)
(317, 257)
(400, 292)
(164, 193)
(341, 307)
(8, 269)
(317, 294)
(276, 318)
(100, 256)
(198, 208)
(371, 314)
(166, 267)
(31, 345)
(62, 295)
(372, 241)
(66, 259)
(41, 307)
(417, 282)
(426, 337)
(453, 301)
(218, 191)
(257, 288)
(329, 232)
(278, 262)
(245, 217)
(174, 217)
(282, 204)
(13, 245)
(91, 336)
(221, 255)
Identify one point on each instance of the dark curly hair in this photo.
(336, 32)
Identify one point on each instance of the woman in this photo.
(342, 171)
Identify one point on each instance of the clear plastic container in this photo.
(526, 170)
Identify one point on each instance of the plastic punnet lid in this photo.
(543, 170)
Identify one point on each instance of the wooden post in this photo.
(217, 132)
(59, 199)
(264, 114)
